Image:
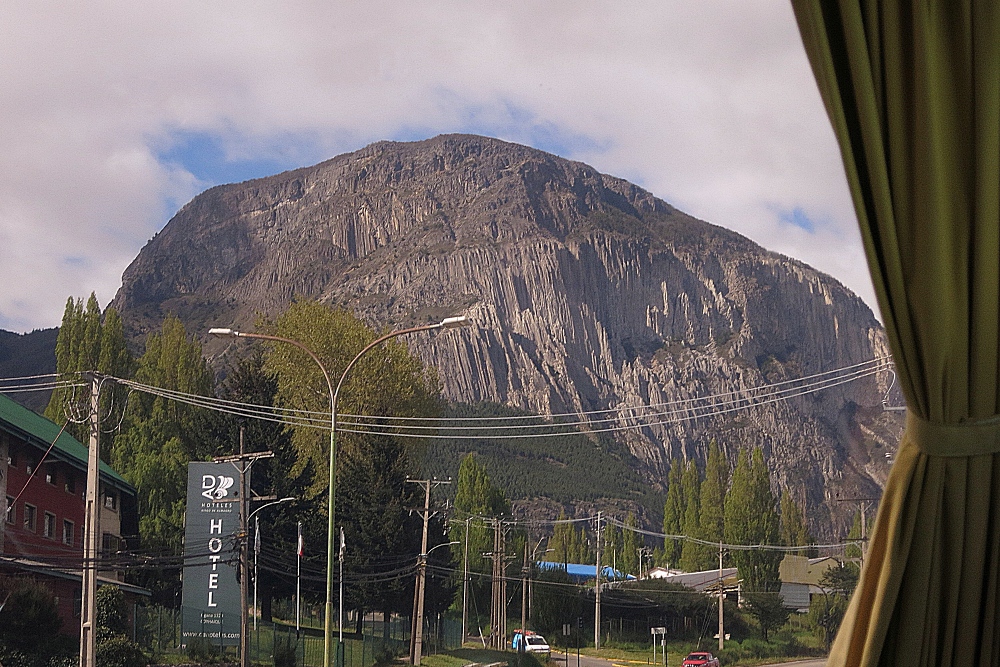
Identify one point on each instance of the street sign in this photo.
(657, 631)
(566, 629)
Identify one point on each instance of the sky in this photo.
(115, 114)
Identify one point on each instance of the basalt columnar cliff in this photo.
(588, 293)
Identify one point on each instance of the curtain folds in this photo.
(912, 88)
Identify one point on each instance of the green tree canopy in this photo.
(631, 542)
(388, 381)
(88, 341)
(159, 436)
(793, 526)
(673, 511)
(690, 550)
(750, 519)
(373, 499)
(711, 523)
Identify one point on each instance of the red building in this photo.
(43, 497)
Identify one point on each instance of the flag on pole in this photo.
(301, 549)
(256, 537)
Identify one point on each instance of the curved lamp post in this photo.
(446, 323)
(246, 530)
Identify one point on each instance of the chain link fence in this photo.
(158, 631)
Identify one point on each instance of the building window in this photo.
(49, 527)
(10, 510)
(50, 478)
(110, 544)
(70, 483)
(68, 532)
(30, 516)
(111, 501)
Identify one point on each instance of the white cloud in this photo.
(710, 105)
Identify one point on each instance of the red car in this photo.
(700, 659)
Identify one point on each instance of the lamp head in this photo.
(455, 322)
(226, 333)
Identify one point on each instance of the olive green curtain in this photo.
(912, 89)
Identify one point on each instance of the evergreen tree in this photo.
(246, 381)
(713, 494)
(673, 511)
(690, 551)
(751, 518)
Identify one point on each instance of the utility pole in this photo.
(465, 582)
(865, 503)
(244, 563)
(498, 606)
(421, 581)
(92, 532)
(722, 597)
(597, 590)
(243, 463)
(524, 591)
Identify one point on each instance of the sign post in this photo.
(662, 634)
(210, 596)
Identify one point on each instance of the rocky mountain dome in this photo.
(588, 293)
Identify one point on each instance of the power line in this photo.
(443, 427)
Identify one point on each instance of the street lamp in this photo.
(418, 625)
(256, 532)
(446, 323)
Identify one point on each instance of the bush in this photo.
(120, 651)
(756, 648)
(28, 619)
(202, 651)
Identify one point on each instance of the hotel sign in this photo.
(211, 591)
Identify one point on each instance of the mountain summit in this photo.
(588, 293)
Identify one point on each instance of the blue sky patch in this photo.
(210, 157)
(798, 218)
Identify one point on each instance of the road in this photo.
(588, 661)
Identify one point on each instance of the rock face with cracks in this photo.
(588, 294)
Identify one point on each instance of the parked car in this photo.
(700, 659)
(530, 642)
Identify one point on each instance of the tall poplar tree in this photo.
(751, 518)
(90, 341)
(673, 511)
(569, 543)
(611, 552)
(690, 550)
(631, 542)
(713, 493)
(477, 501)
(793, 527)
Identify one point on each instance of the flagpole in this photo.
(341, 596)
(256, 553)
(298, 582)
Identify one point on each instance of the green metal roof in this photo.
(34, 428)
